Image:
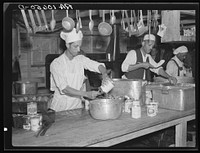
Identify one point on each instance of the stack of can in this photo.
(33, 120)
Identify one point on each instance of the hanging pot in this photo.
(68, 23)
(104, 28)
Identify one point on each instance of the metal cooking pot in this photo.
(25, 87)
(104, 109)
(68, 24)
(133, 88)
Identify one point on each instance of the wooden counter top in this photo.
(76, 128)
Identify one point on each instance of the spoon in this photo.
(80, 19)
(91, 23)
(122, 21)
(53, 21)
(131, 25)
(77, 24)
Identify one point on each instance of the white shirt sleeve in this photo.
(91, 64)
(57, 76)
(130, 59)
(172, 69)
(152, 62)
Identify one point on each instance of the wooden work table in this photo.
(76, 128)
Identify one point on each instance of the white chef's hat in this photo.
(181, 49)
(72, 36)
(149, 37)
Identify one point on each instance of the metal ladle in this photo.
(91, 23)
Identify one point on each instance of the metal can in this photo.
(128, 105)
(31, 108)
(151, 110)
(36, 122)
(26, 122)
(136, 110)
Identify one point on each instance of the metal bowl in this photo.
(104, 109)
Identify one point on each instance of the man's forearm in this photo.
(163, 73)
(134, 67)
(73, 92)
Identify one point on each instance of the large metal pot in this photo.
(133, 88)
(179, 79)
(104, 109)
(25, 87)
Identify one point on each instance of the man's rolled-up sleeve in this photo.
(129, 60)
(91, 64)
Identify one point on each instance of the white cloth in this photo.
(131, 59)
(65, 72)
(72, 36)
(149, 37)
(181, 49)
(172, 68)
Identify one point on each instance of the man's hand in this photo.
(172, 80)
(92, 94)
(146, 65)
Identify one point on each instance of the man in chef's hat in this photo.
(67, 74)
(175, 66)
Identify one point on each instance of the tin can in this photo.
(128, 105)
(151, 110)
(26, 122)
(136, 110)
(31, 108)
(36, 122)
(155, 104)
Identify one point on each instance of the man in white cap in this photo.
(175, 67)
(138, 62)
(67, 74)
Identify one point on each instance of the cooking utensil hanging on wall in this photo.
(32, 20)
(128, 22)
(77, 22)
(91, 23)
(141, 27)
(122, 21)
(53, 21)
(45, 20)
(29, 30)
(40, 28)
(131, 25)
(104, 28)
(67, 23)
(113, 18)
(135, 32)
(80, 22)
